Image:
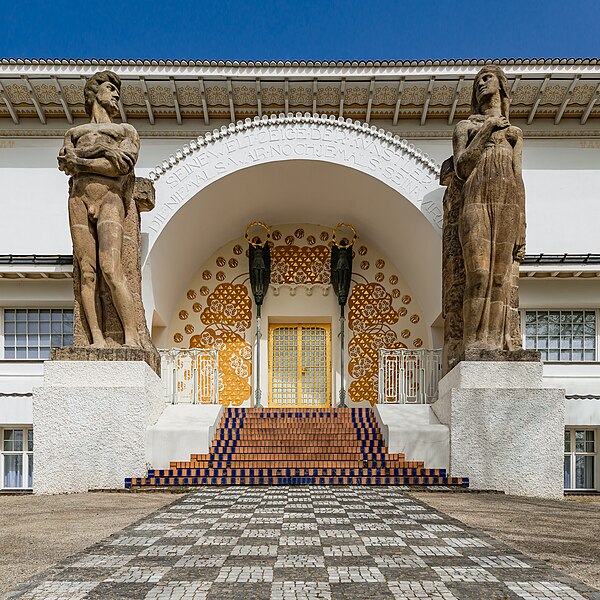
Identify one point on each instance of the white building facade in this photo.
(301, 147)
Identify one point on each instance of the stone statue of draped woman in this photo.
(491, 219)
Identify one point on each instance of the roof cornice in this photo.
(301, 69)
(300, 63)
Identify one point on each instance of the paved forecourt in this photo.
(284, 543)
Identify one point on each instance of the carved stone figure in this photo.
(105, 199)
(484, 226)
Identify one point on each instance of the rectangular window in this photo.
(580, 459)
(16, 464)
(29, 333)
(562, 335)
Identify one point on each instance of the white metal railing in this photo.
(409, 376)
(190, 376)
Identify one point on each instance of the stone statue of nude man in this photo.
(100, 158)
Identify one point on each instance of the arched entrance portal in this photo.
(261, 171)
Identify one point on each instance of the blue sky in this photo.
(303, 30)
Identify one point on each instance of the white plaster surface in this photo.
(504, 436)
(582, 412)
(89, 421)
(16, 410)
(181, 430)
(416, 432)
(492, 374)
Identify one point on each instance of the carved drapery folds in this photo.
(484, 229)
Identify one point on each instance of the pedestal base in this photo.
(89, 424)
(506, 431)
(117, 354)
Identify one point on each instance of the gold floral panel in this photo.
(216, 309)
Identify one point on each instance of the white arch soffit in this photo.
(210, 157)
(224, 156)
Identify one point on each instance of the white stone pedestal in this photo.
(415, 431)
(506, 431)
(181, 430)
(89, 424)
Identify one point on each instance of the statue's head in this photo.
(489, 81)
(105, 88)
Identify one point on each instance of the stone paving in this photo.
(292, 543)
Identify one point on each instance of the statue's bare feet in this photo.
(132, 339)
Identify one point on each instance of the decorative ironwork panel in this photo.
(409, 376)
(190, 376)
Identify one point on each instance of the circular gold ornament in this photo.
(380, 263)
(233, 263)
(344, 242)
(289, 240)
(204, 290)
(191, 294)
(364, 265)
(379, 277)
(276, 235)
(324, 236)
(394, 279)
(197, 307)
(178, 338)
(395, 293)
(418, 342)
(299, 233)
(220, 276)
(406, 299)
(311, 240)
(254, 238)
(189, 329)
(206, 275)
(237, 249)
(183, 315)
(414, 318)
(363, 250)
(220, 261)
(405, 333)
(402, 311)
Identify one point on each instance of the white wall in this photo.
(16, 410)
(22, 376)
(562, 178)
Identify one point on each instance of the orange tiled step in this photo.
(297, 447)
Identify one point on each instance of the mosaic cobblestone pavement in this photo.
(278, 543)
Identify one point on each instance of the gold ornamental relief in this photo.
(371, 318)
(364, 362)
(370, 305)
(300, 265)
(229, 305)
(235, 363)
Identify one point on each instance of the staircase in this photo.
(296, 447)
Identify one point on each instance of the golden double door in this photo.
(300, 365)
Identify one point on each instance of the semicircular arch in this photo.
(375, 152)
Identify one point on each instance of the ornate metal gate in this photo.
(409, 376)
(190, 376)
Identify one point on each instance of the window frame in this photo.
(38, 308)
(25, 453)
(596, 311)
(573, 454)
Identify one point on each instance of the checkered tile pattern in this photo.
(291, 543)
